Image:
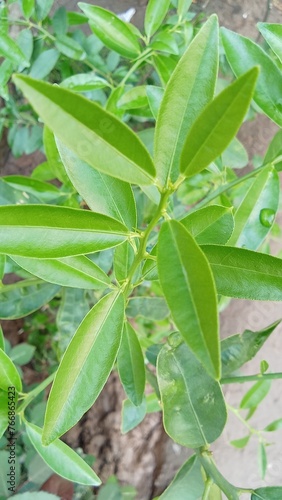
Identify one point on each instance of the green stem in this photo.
(250, 378)
(212, 472)
(243, 421)
(208, 485)
(136, 65)
(31, 395)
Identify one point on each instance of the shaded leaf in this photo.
(187, 484)
(272, 33)
(153, 308)
(274, 426)
(132, 415)
(268, 493)
(9, 376)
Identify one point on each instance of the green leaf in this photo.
(9, 376)
(256, 394)
(154, 15)
(274, 150)
(268, 493)
(60, 21)
(3, 412)
(132, 415)
(123, 260)
(243, 54)
(272, 33)
(245, 274)
(51, 232)
(241, 443)
(262, 459)
(134, 98)
(22, 353)
(194, 411)
(153, 308)
(263, 366)
(25, 43)
(91, 355)
(241, 348)
(2, 266)
(155, 95)
(193, 301)
(111, 30)
(73, 307)
(10, 50)
(130, 362)
(274, 426)
(2, 339)
(256, 213)
(24, 297)
(210, 225)
(185, 98)
(165, 42)
(44, 63)
(182, 7)
(102, 193)
(76, 272)
(53, 157)
(164, 64)
(42, 8)
(27, 7)
(62, 459)
(92, 133)
(187, 483)
(84, 82)
(69, 47)
(33, 189)
(216, 126)
(235, 156)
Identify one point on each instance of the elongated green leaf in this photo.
(272, 33)
(25, 43)
(69, 47)
(9, 376)
(245, 274)
(183, 6)
(113, 32)
(102, 193)
(274, 150)
(235, 156)
(10, 50)
(155, 95)
(132, 415)
(165, 42)
(73, 307)
(187, 484)
(216, 126)
(123, 260)
(2, 267)
(130, 362)
(210, 225)
(42, 8)
(85, 366)
(194, 411)
(27, 7)
(76, 272)
(134, 98)
(3, 412)
(189, 289)
(256, 394)
(95, 135)
(44, 63)
(2, 339)
(60, 21)
(154, 15)
(262, 460)
(268, 493)
(84, 82)
(33, 189)
(184, 99)
(22, 353)
(256, 213)
(241, 348)
(154, 308)
(24, 297)
(164, 64)
(62, 459)
(49, 232)
(243, 54)
(242, 442)
(53, 156)
(274, 426)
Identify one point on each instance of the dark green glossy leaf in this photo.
(185, 98)
(24, 297)
(10, 50)
(256, 394)
(69, 47)
(102, 193)
(91, 355)
(84, 82)
(62, 459)
(245, 274)
(268, 493)
(22, 353)
(241, 443)
(3, 412)
(44, 64)
(76, 272)
(242, 54)
(241, 348)
(274, 426)
(153, 308)
(154, 15)
(45, 231)
(132, 415)
(9, 376)
(123, 260)
(92, 133)
(193, 301)
(130, 362)
(194, 411)
(210, 225)
(113, 32)
(187, 484)
(272, 33)
(42, 8)
(217, 125)
(256, 213)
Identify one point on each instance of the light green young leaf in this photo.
(185, 98)
(2, 266)
(193, 301)
(154, 15)
(153, 308)
(256, 213)
(76, 272)
(27, 7)
(9, 376)
(84, 82)
(268, 493)
(210, 225)
(3, 412)
(102, 193)
(242, 54)
(165, 42)
(241, 443)
(132, 415)
(85, 366)
(130, 362)
(194, 411)
(134, 98)
(46, 231)
(10, 50)
(183, 6)
(274, 426)
(272, 33)
(256, 394)
(187, 484)
(69, 47)
(123, 260)
(241, 348)
(111, 30)
(22, 353)
(245, 274)
(25, 297)
(216, 126)
(262, 460)
(62, 459)
(92, 133)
